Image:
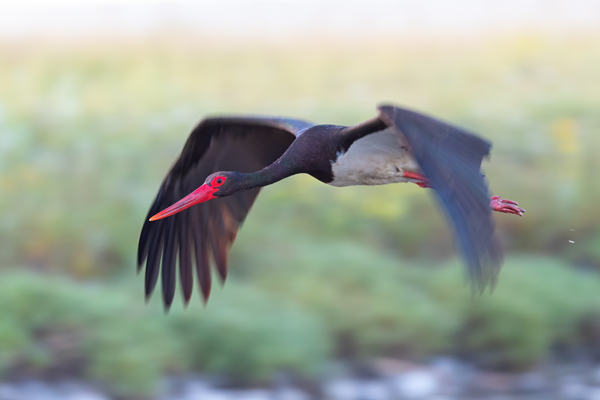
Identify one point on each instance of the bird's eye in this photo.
(217, 181)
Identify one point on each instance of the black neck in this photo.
(266, 176)
(356, 132)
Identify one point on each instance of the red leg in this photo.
(499, 204)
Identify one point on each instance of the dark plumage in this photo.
(230, 159)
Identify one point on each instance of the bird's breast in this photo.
(376, 159)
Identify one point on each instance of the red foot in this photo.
(499, 204)
(413, 175)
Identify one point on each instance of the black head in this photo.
(225, 183)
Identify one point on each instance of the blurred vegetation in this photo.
(56, 327)
(295, 319)
(88, 131)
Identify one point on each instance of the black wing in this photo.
(451, 159)
(208, 230)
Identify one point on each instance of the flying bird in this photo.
(227, 160)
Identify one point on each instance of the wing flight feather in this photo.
(243, 144)
(450, 158)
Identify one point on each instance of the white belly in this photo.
(376, 159)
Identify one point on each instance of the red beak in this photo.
(200, 195)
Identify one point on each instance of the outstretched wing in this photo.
(451, 159)
(206, 231)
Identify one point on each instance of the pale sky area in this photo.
(284, 18)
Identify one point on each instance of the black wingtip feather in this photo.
(154, 257)
(201, 243)
(169, 267)
(148, 231)
(143, 246)
(185, 260)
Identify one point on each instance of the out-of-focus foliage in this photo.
(87, 134)
(293, 319)
(53, 327)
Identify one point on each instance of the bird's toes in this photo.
(506, 201)
(512, 209)
(499, 204)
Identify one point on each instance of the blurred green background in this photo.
(88, 130)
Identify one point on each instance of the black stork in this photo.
(229, 159)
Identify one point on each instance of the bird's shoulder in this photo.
(317, 142)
